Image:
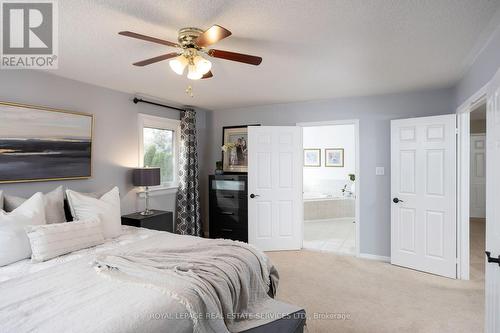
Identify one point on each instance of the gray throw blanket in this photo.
(223, 284)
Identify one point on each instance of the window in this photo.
(158, 144)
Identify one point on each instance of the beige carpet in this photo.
(380, 297)
(477, 245)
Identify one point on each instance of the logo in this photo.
(29, 34)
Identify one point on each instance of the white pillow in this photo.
(106, 209)
(14, 244)
(52, 240)
(54, 205)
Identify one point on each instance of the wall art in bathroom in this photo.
(312, 157)
(334, 157)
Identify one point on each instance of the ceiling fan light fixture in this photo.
(192, 46)
(193, 73)
(178, 64)
(203, 66)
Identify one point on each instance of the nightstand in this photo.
(159, 220)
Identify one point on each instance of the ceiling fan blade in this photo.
(240, 57)
(208, 75)
(212, 36)
(148, 38)
(156, 59)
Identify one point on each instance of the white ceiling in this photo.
(312, 49)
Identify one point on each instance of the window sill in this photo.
(157, 191)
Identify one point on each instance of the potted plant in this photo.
(352, 178)
(218, 168)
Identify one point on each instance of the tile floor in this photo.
(334, 235)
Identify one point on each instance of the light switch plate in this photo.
(379, 171)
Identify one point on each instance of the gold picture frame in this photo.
(235, 159)
(312, 157)
(332, 160)
(37, 142)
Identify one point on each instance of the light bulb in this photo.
(178, 64)
(193, 73)
(202, 65)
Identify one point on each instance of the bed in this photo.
(68, 293)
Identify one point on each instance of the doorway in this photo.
(477, 192)
(330, 183)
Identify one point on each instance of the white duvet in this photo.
(66, 295)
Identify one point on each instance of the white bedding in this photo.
(66, 294)
(24, 267)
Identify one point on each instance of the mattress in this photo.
(94, 305)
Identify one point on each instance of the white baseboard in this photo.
(374, 257)
(333, 219)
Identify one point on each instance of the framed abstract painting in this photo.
(38, 143)
(334, 157)
(312, 157)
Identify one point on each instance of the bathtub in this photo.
(324, 206)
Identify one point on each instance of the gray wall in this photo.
(481, 71)
(374, 114)
(115, 145)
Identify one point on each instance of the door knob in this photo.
(396, 200)
(493, 260)
(254, 195)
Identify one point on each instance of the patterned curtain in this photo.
(188, 195)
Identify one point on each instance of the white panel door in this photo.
(423, 187)
(492, 284)
(275, 210)
(477, 176)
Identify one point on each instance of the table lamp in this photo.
(146, 177)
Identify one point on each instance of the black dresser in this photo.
(228, 207)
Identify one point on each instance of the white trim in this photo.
(374, 257)
(463, 192)
(146, 120)
(331, 220)
(463, 181)
(354, 122)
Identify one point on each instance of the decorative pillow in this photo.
(95, 195)
(54, 205)
(106, 209)
(52, 240)
(14, 244)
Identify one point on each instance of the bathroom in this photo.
(329, 188)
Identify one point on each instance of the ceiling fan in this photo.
(193, 42)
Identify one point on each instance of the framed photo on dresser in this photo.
(235, 149)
